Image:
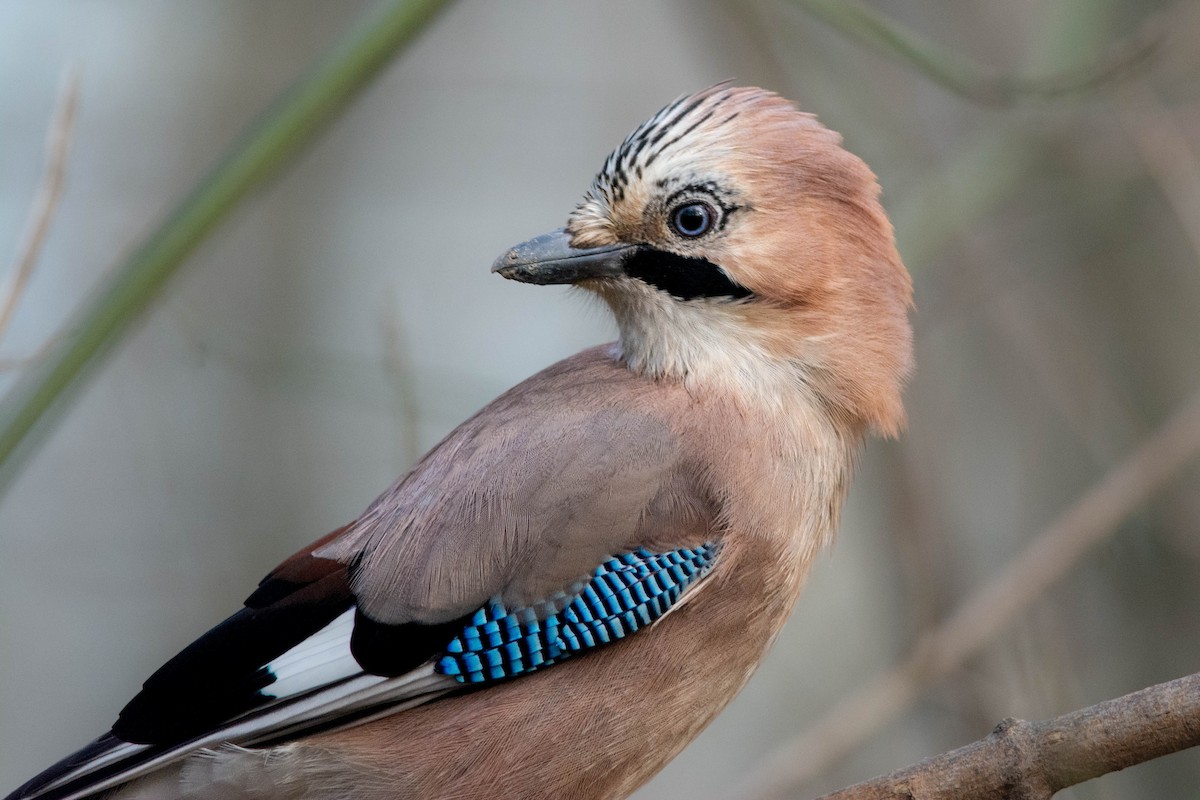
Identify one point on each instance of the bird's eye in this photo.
(693, 219)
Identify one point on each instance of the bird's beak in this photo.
(549, 258)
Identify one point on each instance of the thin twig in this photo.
(924, 555)
(1035, 760)
(260, 154)
(397, 360)
(972, 80)
(58, 147)
(1168, 152)
(1070, 379)
(20, 362)
(941, 650)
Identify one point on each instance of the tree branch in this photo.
(58, 146)
(1036, 759)
(1168, 152)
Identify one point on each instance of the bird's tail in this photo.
(85, 772)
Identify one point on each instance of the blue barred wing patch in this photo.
(625, 594)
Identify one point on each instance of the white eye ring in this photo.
(692, 220)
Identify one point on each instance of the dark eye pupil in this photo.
(693, 219)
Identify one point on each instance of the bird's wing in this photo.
(531, 534)
(522, 501)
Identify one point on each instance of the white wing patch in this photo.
(119, 752)
(324, 707)
(317, 684)
(319, 660)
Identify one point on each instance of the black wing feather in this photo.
(80, 758)
(221, 675)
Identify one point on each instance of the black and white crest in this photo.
(714, 107)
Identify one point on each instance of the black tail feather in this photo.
(37, 787)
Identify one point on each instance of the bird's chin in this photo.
(602, 286)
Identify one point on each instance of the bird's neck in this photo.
(774, 418)
(709, 347)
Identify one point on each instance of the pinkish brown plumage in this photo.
(763, 324)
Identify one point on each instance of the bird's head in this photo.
(737, 242)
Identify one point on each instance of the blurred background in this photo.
(344, 320)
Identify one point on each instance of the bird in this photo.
(570, 586)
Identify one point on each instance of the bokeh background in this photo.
(344, 320)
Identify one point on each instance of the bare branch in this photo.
(58, 146)
(972, 80)
(943, 649)
(1168, 152)
(1035, 760)
(10, 363)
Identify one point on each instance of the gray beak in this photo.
(549, 258)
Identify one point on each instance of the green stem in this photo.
(271, 143)
(969, 78)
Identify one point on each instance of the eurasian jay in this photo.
(570, 586)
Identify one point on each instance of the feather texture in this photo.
(320, 682)
(639, 517)
(624, 595)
